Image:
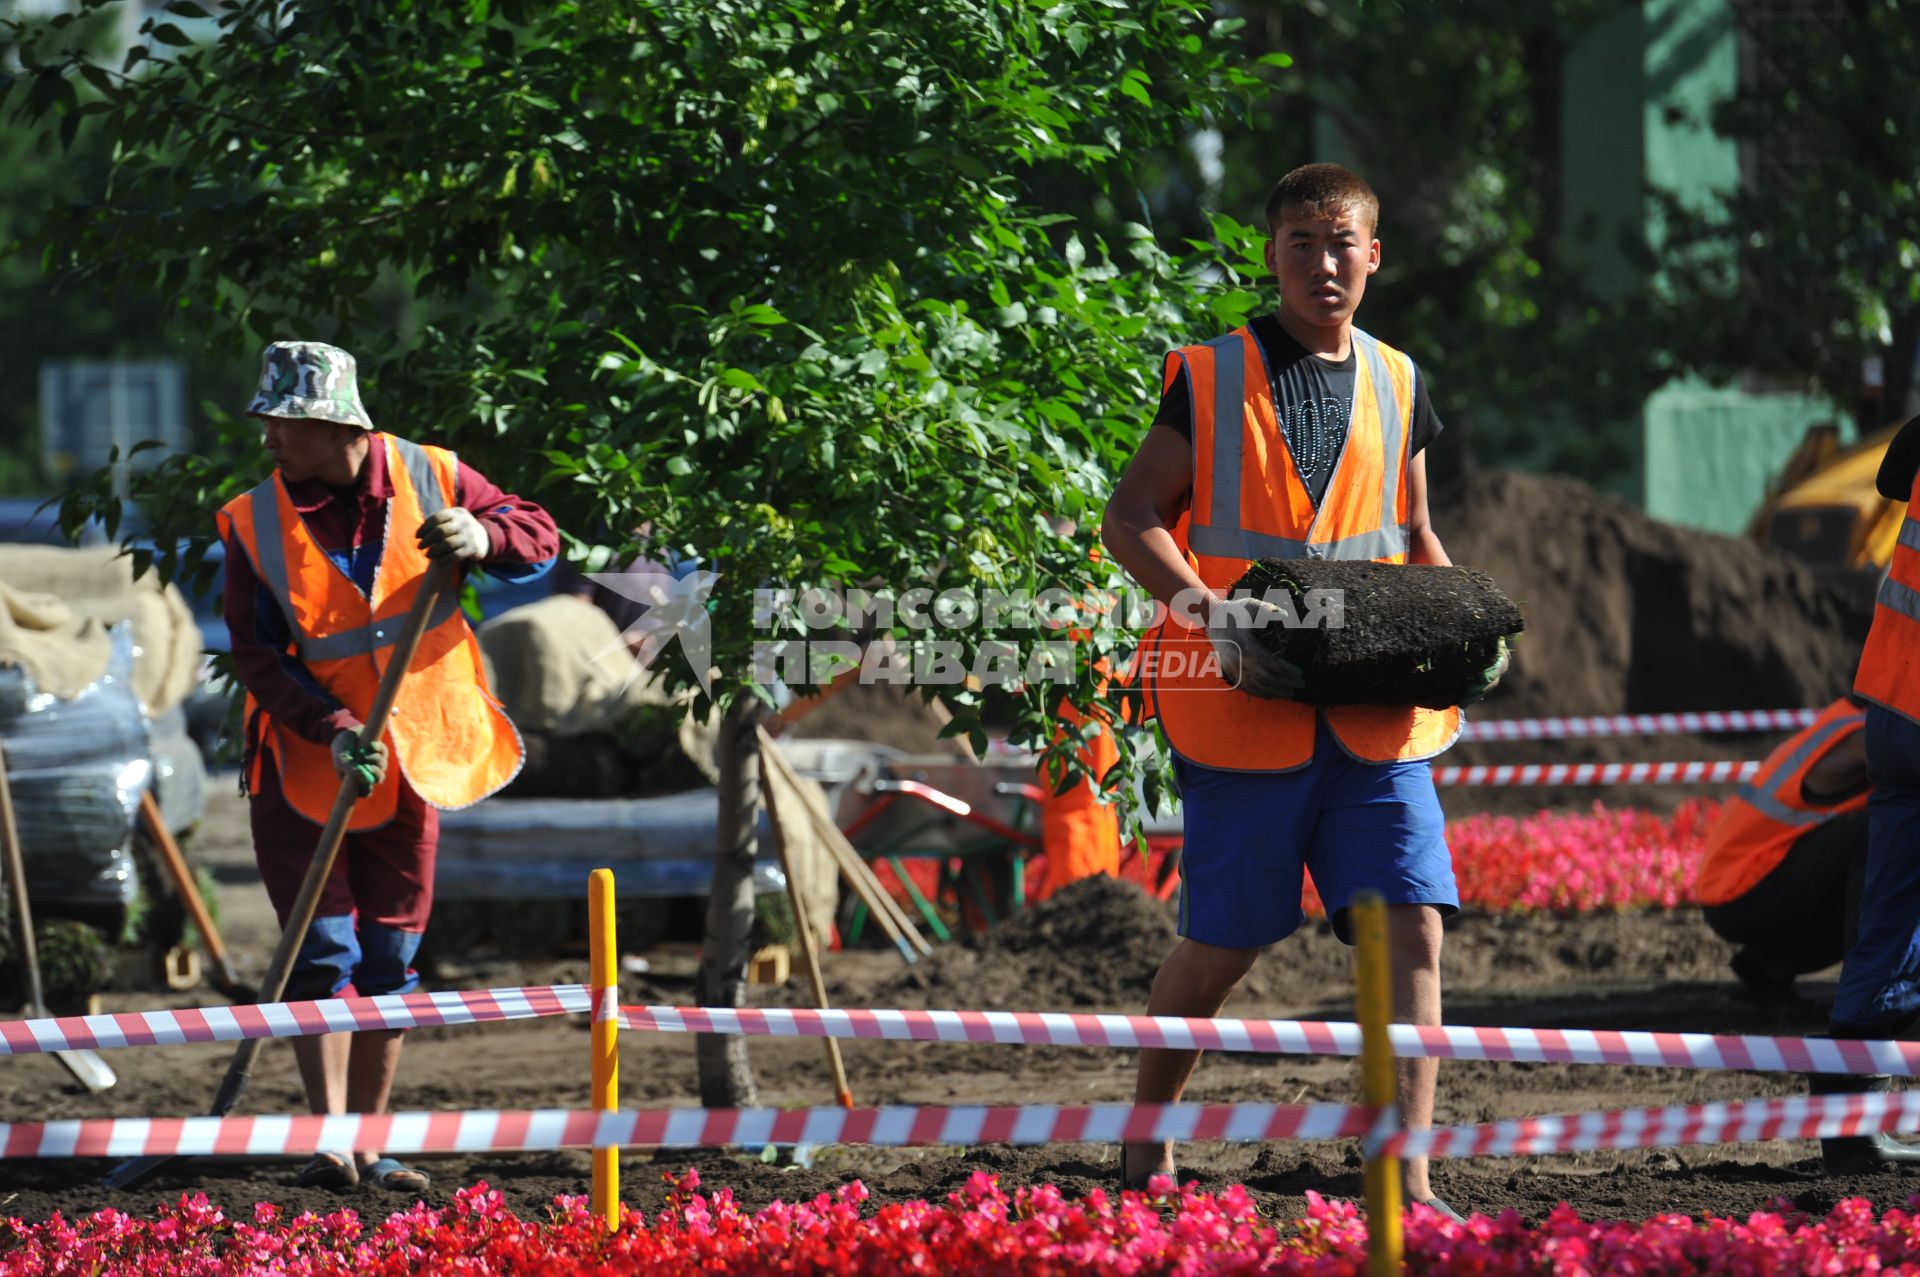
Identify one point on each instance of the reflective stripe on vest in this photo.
(1902, 599)
(1889, 673)
(449, 739)
(272, 549)
(1770, 802)
(1763, 820)
(1358, 518)
(1224, 538)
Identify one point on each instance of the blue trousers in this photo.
(1880, 981)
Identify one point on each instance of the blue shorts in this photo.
(341, 951)
(1354, 826)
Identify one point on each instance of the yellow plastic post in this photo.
(1373, 1007)
(604, 980)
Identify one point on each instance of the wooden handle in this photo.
(809, 954)
(183, 883)
(853, 867)
(17, 884)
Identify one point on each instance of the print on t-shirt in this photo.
(1313, 400)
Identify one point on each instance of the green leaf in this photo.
(679, 467)
(168, 34)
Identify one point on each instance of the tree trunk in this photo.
(726, 1079)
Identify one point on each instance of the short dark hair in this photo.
(1322, 192)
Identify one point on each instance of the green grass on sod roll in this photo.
(1412, 634)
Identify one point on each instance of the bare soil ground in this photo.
(1092, 948)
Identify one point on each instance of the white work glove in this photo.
(454, 534)
(366, 764)
(1245, 662)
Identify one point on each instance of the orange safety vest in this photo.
(446, 733)
(1249, 503)
(1079, 834)
(1889, 673)
(1768, 814)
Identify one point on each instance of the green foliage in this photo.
(45, 317)
(1453, 113)
(76, 961)
(1813, 265)
(764, 277)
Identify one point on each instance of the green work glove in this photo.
(1483, 683)
(1245, 662)
(366, 764)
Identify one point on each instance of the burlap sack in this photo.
(59, 603)
(561, 666)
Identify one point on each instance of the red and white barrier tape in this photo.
(893, 1126)
(288, 1019)
(1275, 1037)
(1797, 1117)
(1599, 773)
(1723, 1122)
(1733, 720)
(1296, 1037)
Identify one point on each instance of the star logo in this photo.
(676, 609)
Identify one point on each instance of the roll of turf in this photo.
(1381, 633)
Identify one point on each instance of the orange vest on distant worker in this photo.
(1889, 673)
(1249, 503)
(1768, 814)
(446, 733)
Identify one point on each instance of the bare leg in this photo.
(1414, 936)
(369, 1075)
(323, 1070)
(1195, 980)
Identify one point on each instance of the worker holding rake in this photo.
(1296, 436)
(324, 560)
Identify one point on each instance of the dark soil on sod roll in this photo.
(1408, 635)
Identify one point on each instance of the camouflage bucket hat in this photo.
(309, 379)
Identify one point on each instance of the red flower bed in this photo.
(977, 1230)
(1555, 862)
(1576, 863)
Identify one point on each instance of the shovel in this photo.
(137, 1171)
(94, 1073)
(189, 890)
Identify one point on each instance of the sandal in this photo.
(1441, 1209)
(395, 1175)
(328, 1170)
(1139, 1183)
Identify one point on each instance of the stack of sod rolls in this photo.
(1381, 633)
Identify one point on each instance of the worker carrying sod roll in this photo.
(1361, 633)
(1299, 437)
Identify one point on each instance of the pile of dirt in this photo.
(1627, 614)
(1093, 943)
(1097, 943)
